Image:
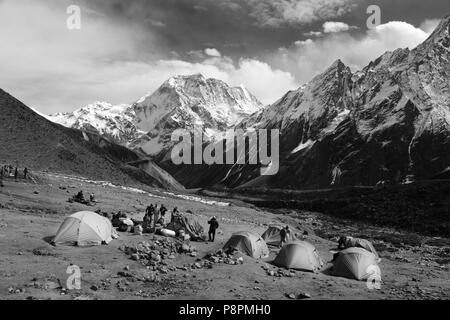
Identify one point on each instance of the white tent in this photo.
(299, 255)
(85, 229)
(355, 263)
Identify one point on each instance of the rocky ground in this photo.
(153, 267)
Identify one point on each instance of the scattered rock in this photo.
(304, 295)
(290, 296)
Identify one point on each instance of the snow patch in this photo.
(303, 146)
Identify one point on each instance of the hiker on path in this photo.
(213, 226)
(285, 234)
(25, 173)
(16, 173)
(1, 177)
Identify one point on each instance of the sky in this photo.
(126, 49)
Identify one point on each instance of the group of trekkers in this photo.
(80, 198)
(7, 171)
(155, 215)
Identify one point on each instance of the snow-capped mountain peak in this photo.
(115, 122)
(197, 100)
(182, 102)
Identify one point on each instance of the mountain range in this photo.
(389, 122)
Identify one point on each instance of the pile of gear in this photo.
(180, 226)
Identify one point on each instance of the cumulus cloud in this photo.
(275, 13)
(56, 70)
(308, 58)
(313, 34)
(334, 27)
(212, 52)
(429, 25)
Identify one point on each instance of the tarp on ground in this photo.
(190, 227)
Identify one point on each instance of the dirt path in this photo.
(412, 267)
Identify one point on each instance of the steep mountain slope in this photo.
(388, 122)
(28, 139)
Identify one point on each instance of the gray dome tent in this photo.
(248, 243)
(272, 236)
(299, 255)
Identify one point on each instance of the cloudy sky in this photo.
(127, 48)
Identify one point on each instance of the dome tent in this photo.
(350, 242)
(85, 229)
(299, 255)
(272, 235)
(354, 263)
(249, 243)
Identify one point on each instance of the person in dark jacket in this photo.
(163, 210)
(213, 226)
(285, 234)
(25, 173)
(16, 173)
(1, 177)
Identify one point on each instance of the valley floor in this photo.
(413, 266)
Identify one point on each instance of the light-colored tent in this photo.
(299, 255)
(85, 229)
(354, 263)
(248, 243)
(272, 236)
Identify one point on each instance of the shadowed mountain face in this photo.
(388, 122)
(29, 140)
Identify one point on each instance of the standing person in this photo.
(149, 213)
(163, 210)
(213, 226)
(25, 173)
(156, 216)
(285, 234)
(1, 177)
(16, 173)
(175, 213)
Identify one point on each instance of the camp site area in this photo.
(122, 264)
